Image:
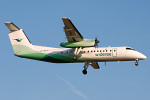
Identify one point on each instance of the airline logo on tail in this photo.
(18, 40)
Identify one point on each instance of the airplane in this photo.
(76, 49)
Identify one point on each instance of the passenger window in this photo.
(97, 50)
(100, 51)
(103, 50)
(106, 50)
(91, 51)
(110, 50)
(94, 50)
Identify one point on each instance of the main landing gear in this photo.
(86, 65)
(76, 52)
(84, 71)
(74, 57)
(136, 63)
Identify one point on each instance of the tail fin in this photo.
(19, 41)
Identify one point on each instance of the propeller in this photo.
(96, 42)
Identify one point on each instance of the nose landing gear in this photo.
(136, 63)
(76, 52)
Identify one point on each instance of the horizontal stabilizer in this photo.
(12, 27)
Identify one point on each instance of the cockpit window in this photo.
(129, 49)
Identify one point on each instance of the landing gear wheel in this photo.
(136, 63)
(84, 72)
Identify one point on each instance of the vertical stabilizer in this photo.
(19, 41)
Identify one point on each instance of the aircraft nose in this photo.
(142, 56)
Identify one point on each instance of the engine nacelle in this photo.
(84, 43)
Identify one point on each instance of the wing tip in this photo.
(7, 23)
(65, 18)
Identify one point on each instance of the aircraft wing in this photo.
(95, 65)
(72, 34)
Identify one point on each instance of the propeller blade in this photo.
(96, 42)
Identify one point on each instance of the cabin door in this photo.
(114, 52)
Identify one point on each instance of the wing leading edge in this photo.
(72, 34)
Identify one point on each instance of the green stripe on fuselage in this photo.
(55, 58)
(26, 52)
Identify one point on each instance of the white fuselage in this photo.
(92, 54)
(112, 54)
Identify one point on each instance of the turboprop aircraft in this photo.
(77, 49)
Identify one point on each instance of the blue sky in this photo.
(114, 22)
